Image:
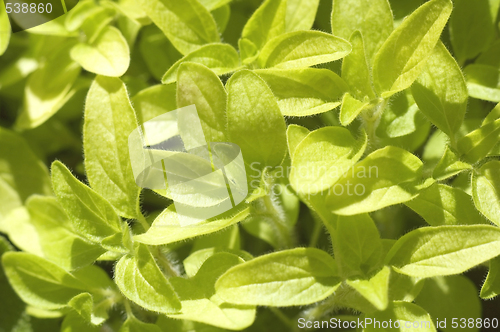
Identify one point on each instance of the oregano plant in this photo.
(360, 143)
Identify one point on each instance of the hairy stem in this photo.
(167, 265)
(284, 233)
(142, 220)
(371, 120)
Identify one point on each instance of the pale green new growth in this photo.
(141, 280)
(322, 157)
(109, 120)
(304, 92)
(107, 55)
(403, 55)
(187, 24)
(302, 49)
(220, 58)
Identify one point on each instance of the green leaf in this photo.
(220, 58)
(167, 229)
(483, 82)
(140, 280)
(402, 118)
(214, 4)
(444, 205)
(48, 88)
(492, 116)
(73, 322)
(109, 119)
(403, 55)
(297, 276)
(491, 286)
(304, 92)
(133, 10)
(228, 238)
(5, 30)
(486, 190)
(157, 51)
(170, 324)
(154, 101)
(372, 183)
(351, 108)
(197, 85)
(60, 243)
(403, 287)
(96, 22)
(477, 144)
(267, 22)
(81, 12)
(375, 289)
(300, 14)
(91, 215)
(107, 55)
(201, 304)
(357, 245)
(39, 282)
(449, 165)
(254, 120)
(472, 28)
(489, 57)
(17, 70)
(221, 16)
(372, 18)
(83, 305)
(193, 262)
(323, 157)
(301, 49)
(356, 70)
(294, 135)
(187, 24)
(444, 250)
(132, 324)
(12, 310)
(450, 297)
(441, 93)
(404, 313)
(21, 173)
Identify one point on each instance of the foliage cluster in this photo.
(406, 88)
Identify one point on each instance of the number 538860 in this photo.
(25, 8)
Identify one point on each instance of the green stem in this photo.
(284, 233)
(323, 308)
(318, 226)
(128, 309)
(288, 322)
(167, 266)
(371, 119)
(142, 220)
